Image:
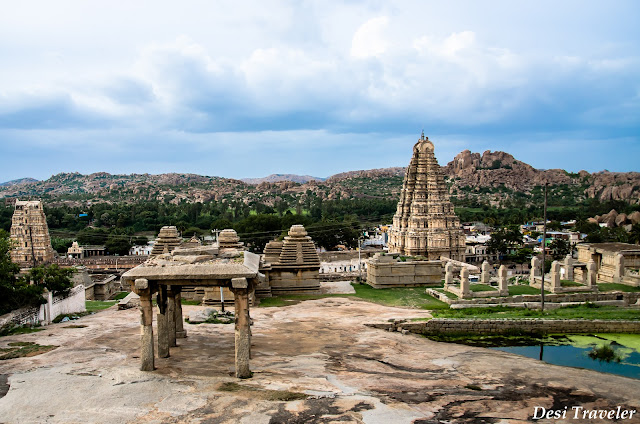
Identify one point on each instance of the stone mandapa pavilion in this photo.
(207, 267)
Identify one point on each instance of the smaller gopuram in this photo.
(205, 267)
(168, 239)
(293, 264)
(228, 240)
(30, 233)
(229, 245)
(425, 223)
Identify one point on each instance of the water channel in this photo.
(622, 351)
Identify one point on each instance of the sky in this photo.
(250, 88)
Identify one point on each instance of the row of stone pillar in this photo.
(170, 323)
(536, 272)
(503, 281)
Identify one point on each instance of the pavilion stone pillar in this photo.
(503, 282)
(555, 276)
(535, 270)
(163, 324)
(448, 274)
(240, 288)
(171, 316)
(181, 333)
(464, 283)
(592, 272)
(143, 289)
(568, 267)
(485, 277)
(619, 270)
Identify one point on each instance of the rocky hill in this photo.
(18, 181)
(491, 177)
(274, 178)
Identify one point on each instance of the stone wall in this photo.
(628, 298)
(55, 306)
(385, 271)
(294, 281)
(501, 326)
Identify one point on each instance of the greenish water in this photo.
(573, 350)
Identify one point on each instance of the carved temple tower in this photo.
(425, 223)
(30, 235)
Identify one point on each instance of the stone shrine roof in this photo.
(197, 266)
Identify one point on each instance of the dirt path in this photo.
(321, 348)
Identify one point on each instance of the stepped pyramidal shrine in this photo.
(293, 264)
(425, 223)
(30, 233)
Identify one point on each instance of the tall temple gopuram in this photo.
(30, 233)
(425, 223)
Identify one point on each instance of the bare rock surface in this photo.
(351, 374)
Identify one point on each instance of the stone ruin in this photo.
(292, 265)
(425, 223)
(389, 270)
(165, 275)
(168, 239)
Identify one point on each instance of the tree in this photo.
(504, 240)
(560, 248)
(118, 244)
(55, 279)
(61, 245)
(14, 292)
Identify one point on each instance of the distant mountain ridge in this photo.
(274, 178)
(493, 177)
(18, 181)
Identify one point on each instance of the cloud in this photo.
(356, 68)
(369, 40)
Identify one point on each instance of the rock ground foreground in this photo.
(321, 348)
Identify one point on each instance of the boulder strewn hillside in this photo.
(493, 177)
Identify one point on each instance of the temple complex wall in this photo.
(386, 271)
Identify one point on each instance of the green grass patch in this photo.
(98, 305)
(589, 311)
(120, 295)
(24, 349)
(447, 293)
(411, 297)
(265, 394)
(569, 283)
(190, 302)
(6, 331)
(481, 287)
(516, 290)
(605, 287)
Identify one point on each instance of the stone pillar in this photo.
(619, 271)
(181, 333)
(485, 277)
(171, 316)
(503, 282)
(535, 270)
(555, 276)
(464, 283)
(568, 267)
(146, 322)
(163, 325)
(240, 288)
(448, 274)
(592, 273)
